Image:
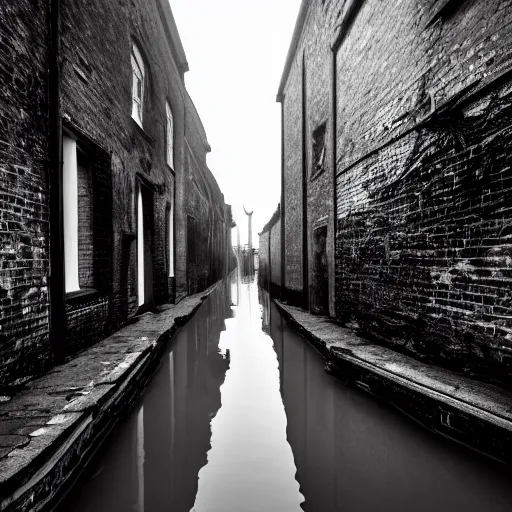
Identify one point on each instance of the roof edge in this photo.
(173, 34)
(297, 32)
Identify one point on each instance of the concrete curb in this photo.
(472, 413)
(59, 426)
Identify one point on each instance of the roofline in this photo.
(297, 32)
(173, 34)
(199, 123)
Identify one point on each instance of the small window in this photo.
(318, 159)
(169, 136)
(138, 75)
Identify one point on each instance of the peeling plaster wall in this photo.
(423, 252)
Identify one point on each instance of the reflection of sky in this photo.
(250, 465)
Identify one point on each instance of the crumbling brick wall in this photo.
(96, 101)
(263, 257)
(308, 87)
(423, 182)
(24, 247)
(275, 258)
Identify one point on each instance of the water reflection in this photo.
(250, 464)
(152, 462)
(355, 454)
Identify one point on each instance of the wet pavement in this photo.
(240, 416)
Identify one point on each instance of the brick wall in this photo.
(311, 70)
(269, 253)
(423, 256)
(263, 257)
(292, 106)
(422, 174)
(96, 101)
(275, 258)
(24, 260)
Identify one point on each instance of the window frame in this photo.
(169, 135)
(318, 159)
(138, 76)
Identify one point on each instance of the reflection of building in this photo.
(310, 412)
(153, 462)
(265, 301)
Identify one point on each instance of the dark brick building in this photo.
(107, 206)
(397, 177)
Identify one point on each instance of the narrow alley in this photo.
(241, 416)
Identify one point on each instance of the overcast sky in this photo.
(236, 51)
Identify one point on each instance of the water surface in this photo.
(241, 416)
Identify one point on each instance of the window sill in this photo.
(317, 174)
(81, 296)
(141, 130)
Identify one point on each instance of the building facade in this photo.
(108, 207)
(396, 175)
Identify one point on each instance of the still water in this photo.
(241, 416)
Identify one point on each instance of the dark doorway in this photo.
(191, 256)
(320, 276)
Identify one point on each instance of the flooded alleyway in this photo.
(240, 416)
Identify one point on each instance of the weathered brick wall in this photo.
(313, 60)
(292, 105)
(275, 258)
(24, 304)
(263, 256)
(423, 252)
(96, 102)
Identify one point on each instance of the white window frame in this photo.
(70, 213)
(141, 283)
(138, 77)
(169, 136)
(170, 220)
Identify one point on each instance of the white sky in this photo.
(236, 51)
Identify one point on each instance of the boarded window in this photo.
(85, 222)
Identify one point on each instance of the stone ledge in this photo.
(473, 413)
(51, 429)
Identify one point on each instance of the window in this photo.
(138, 74)
(169, 136)
(70, 199)
(87, 215)
(318, 150)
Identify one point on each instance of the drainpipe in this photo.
(56, 281)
